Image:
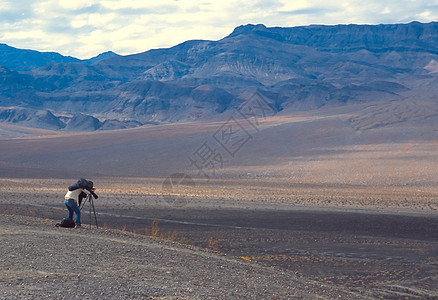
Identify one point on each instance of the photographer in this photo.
(74, 196)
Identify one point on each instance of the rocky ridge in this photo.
(295, 69)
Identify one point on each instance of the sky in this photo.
(83, 28)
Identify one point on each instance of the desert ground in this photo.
(335, 204)
(220, 239)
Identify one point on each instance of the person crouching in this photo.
(71, 201)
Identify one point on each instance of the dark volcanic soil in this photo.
(41, 261)
(367, 253)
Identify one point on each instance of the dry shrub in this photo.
(213, 245)
(154, 231)
(246, 258)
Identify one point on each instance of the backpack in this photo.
(66, 223)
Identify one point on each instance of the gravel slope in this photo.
(42, 261)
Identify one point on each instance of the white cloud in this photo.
(84, 28)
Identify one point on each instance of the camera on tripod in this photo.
(85, 184)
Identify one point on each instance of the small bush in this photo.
(154, 231)
(213, 245)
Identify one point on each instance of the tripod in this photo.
(90, 199)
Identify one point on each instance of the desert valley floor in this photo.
(336, 203)
(322, 241)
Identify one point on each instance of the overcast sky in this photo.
(83, 29)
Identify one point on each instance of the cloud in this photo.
(309, 11)
(15, 11)
(84, 28)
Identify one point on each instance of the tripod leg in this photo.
(94, 210)
(89, 200)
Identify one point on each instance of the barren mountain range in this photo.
(294, 69)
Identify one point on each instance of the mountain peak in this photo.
(246, 29)
(414, 36)
(104, 55)
(24, 59)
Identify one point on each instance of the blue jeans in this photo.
(73, 207)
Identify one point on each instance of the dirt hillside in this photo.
(42, 261)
